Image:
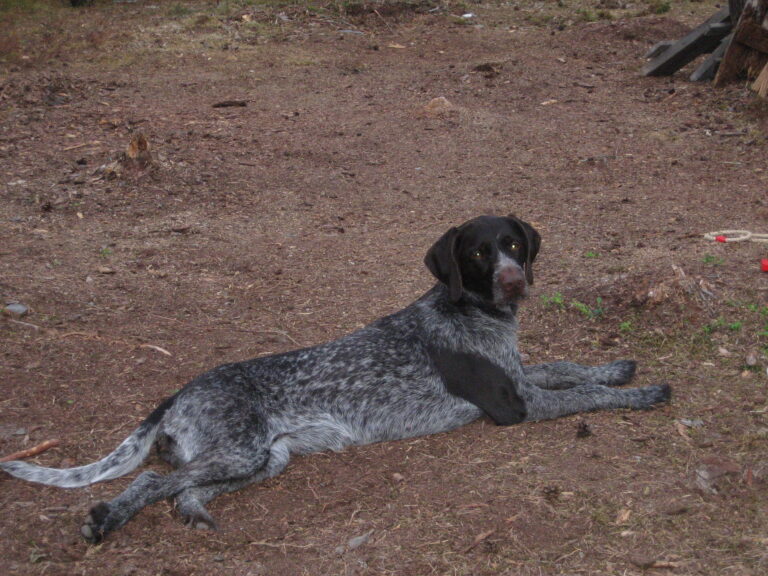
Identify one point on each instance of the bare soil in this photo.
(304, 212)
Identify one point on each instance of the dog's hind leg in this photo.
(563, 375)
(225, 465)
(191, 502)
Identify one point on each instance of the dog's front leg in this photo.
(544, 404)
(564, 375)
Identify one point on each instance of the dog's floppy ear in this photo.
(532, 241)
(442, 262)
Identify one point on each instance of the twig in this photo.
(76, 146)
(27, 324)
(34, 451)
(278, 546)
(153, 347)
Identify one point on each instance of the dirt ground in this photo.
(304, 211)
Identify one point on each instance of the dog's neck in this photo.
(471, 304)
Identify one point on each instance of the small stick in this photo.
(34, 451)
(153, 347)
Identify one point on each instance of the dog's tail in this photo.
(122, 460)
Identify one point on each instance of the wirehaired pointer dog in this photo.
(438, 364)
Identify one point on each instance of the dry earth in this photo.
(305, 213)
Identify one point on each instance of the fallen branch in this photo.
(29, 452)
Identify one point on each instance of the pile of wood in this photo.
(736, 39)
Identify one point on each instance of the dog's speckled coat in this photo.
(401, 376)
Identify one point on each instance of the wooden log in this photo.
(706, 70)
(761, 84)
(701, 40)
(740, 56)
(752, 35)
(659, 48)
(735, 7)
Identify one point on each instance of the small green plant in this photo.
(713, 326)
(591, 254)
(586, 310)
(735, 326)
(626, 327)
(555, 301)
(105, 252)
(711, 260)
(659, 6)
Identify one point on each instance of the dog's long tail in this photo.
(122, 460)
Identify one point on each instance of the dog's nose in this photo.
(512, 281)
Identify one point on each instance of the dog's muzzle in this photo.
(511, 282)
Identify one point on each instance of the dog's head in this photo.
(489, 257)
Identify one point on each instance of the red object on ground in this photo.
(720, 239)
(764, 264)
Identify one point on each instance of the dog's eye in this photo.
(514, 246)
(477, 254)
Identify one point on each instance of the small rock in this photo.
(642, 560)
(751, 359)
(358, 541)
(15, 310)
(696, 423)
(397, 477)
(105, 270)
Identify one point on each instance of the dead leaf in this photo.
(623, 516)
(138, 151)
(682, 430)
(438, 106)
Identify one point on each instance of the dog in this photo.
(440, 363)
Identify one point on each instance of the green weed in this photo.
(659, 6)
(626, 327)
(711, 260)
(588, 311)
(557, 300)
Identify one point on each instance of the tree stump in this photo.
(747, 53)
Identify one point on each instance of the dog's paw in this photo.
(200, 521)
(616, 373)
(653, 395)
(93, 529)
